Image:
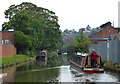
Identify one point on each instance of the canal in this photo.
(35, 72)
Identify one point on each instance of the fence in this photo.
(108, 50)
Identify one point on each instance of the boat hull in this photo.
(88, 70)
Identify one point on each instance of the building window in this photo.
(7, 42)
(2, 41)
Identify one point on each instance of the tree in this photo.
(22, 42)
(66, 31)
(37, 23)
(82, 43)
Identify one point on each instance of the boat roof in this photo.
(82, 54)
(43, 51)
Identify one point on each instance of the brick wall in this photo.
(105, 32)
(7, 50)
(8, 35)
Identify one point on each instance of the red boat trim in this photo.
(94, 72)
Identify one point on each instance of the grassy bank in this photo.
(108, 65)
(111, 65)
(16, 59)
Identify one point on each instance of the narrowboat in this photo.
(84, 63)
(42, 56)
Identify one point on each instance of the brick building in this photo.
(7, 48)
(8, 37)
(104, 33)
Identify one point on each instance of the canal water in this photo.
(35, 72)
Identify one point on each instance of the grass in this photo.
(18, 58)
(111, 65)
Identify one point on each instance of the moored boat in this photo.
(42, 56)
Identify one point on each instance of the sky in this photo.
(73, 14)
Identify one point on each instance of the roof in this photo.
(95, 32)
(102, 27)
(7, 31)
(106, 24)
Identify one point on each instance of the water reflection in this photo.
(34, 72)
(65, 74)
(9, 75)
(37, 76)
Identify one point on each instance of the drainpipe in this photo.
(118, 47)
(108, 55)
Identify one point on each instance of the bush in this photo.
(111, 65)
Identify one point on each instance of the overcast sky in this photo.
(73, 14)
